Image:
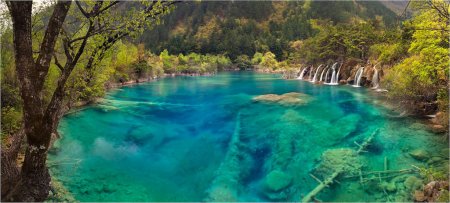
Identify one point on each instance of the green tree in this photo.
(96, 20)
(257, 57)
(269, 62)
(243, 62)
(423, 76)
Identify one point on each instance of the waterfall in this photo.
(315, 74)
(302, 73)
(358, 76)
(375, 79)
(297, 73)
(321, 75)
(334, 75)
(326, 75)
(310, 72)
(337, 75)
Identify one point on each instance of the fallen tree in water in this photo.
(336, 162)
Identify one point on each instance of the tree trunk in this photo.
(10, 170)
(33, 182)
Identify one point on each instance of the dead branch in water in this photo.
(328, 181)
(321, 186)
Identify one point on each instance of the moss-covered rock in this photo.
(288, 99)
(419, 154)
(413, 183)
(345, 160)
(222, 194)
(277, 180)
(347, 125)
(389, 186)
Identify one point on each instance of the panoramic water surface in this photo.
(208, 139)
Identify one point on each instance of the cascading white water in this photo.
(337, 75)
(375, 79)
(334, 74)
(299, 71)
(300, 77)
(358, 76)
(315, 74)
(321, 75)
(310, 73)
(326, 75)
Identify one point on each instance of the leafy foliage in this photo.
(244, 28)
(10, 120)
(243, 62)
(423, 76)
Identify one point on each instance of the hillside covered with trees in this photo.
(245, 27)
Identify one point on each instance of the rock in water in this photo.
(438, 128)
(267, 98)
(277, 180)
(390, 187)
(344, 126)
(419, 154)
(344, 160)
(222, 194)
(413, 183)
(288, 99)
(419, 196)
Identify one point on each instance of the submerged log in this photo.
(367, 142)
(224, 186)
(382, 172)
(321, 186)
(341, 169)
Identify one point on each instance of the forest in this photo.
(58, 57)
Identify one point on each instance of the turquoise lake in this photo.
(206, 139)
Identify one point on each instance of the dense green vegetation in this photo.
(241, 27)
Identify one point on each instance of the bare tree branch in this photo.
(57, 62)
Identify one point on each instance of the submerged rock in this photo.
(434, 160)
(345, 160)
(445, 153)
(288, 99)
(419, 196)
(390, 187)
(413, 183)
(344, 126)
(438, 128)
(106, 108)
(222, 194)
(277, 180)
(419, 154)
(436, 191)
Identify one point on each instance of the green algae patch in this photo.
(343, 160)
(419, 154)
(288, 99)
(277, 180)
(347, 125)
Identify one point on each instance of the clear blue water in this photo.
(172, 140)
